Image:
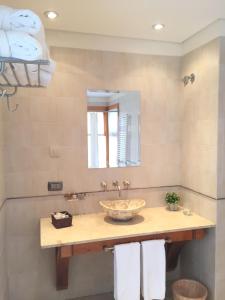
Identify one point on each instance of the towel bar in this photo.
(108, 249)
(111, 249)
(175, 239)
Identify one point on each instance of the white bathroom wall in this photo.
(200, 178)
(178, 146)
(3, 269)
(57, 116)
(198, 257)
(31, 271)
(220, 230)
(200, 120)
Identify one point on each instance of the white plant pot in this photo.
(173, 206)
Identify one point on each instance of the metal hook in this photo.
(8, 95)
(3, 92)
(8, 105)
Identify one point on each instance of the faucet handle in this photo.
(115, 183)
(104, 185)
(126, 184)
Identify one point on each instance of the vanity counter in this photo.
(91, 228)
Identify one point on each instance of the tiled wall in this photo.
(31, 270)
(179, 139)
(198, 257)
(200, 120)
(199, 157)
(220, 230)
(57, 116)
(2, 145)
(3, 269)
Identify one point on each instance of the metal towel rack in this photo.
(10, 82)
(111, 249)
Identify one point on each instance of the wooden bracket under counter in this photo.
(94, 233)
(178, 239)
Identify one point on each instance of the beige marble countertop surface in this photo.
(96, 227)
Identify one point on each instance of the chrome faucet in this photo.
(117, 186)
(104, 185)
(126, 184)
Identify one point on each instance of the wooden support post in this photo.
(172, 254)
(62, 269)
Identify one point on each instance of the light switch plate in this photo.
(54, 186)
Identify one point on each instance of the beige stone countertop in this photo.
(97, 227)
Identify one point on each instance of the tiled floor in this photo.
(97, 297)
(102, 297)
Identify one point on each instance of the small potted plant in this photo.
(172, 200)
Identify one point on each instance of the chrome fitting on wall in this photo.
(126, 184)
(73, 196)
(104, 185)
(189, 79)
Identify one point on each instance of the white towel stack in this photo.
(127, 272)
(22, 36)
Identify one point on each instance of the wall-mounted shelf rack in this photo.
(11, 70)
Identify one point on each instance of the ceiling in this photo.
(129, 18)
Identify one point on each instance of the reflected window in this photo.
(113, 129)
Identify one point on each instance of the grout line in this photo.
(108, 191)
(2, 204)
(94, 192)
(199, 193)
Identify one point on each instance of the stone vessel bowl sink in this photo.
(122, 210)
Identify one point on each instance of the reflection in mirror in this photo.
(113, 128)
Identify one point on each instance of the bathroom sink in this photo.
(122, 210)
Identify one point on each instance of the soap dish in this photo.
(62, 223)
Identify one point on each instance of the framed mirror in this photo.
(113, 119)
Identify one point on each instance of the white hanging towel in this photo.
(19, 20)
(19, 45)
(127, 272)
(153, 270)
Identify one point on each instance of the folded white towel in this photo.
(19, 20)
(127, 272)
(19, 45)
(153, 270)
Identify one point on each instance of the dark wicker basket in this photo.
(62, 223)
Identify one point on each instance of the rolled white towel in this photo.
(19, 45)
(4, 45)
(46, 72)
(23, 20)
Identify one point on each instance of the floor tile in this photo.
(102, 297)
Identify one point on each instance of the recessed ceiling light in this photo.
(158, 26)
(51, 14)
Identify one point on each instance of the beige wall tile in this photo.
(57, 117)
(200, 120)
(3, 249)
(31, 271)
(179, 139)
